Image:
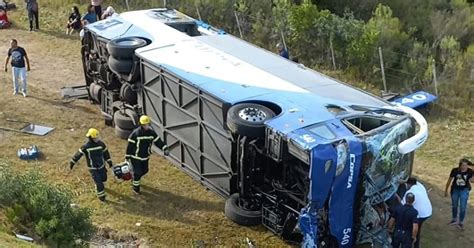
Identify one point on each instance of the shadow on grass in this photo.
(160, 204)
(61, 103)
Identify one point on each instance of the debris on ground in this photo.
(249, 243)
(23, 237)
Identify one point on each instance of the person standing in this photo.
(460, 180)
(97, 154)
(422, 204)
(18, 58)
(283, 51)
(139, 146)
(33, 13)
(403, 223)
(97, 8)
(90, 17)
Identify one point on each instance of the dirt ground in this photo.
(174, 210)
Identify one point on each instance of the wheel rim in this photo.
(128, 42)
(252, 114)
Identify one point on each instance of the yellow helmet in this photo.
(145, 120)
(92, 133)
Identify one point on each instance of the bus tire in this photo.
(248, 119)
(123, 121)
(120, 66)
(127, 94)
(124, 48)
(109, 122)
(239, 215)
(122, 133)
(95, 91)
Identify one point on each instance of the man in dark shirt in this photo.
(96, 154)
(405, 220)
(18, 57)
(460, 180)
(139, 146)
(283, 51)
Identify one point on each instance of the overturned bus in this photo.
(311, 158)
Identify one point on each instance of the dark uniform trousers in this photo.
(97, 154)
(402, 239)
(138, 152)
(100, 177)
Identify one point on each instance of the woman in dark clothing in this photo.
(33, 13)
(74, 21)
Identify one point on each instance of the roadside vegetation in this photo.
(34, 208)
(412, 34)
(417, 38)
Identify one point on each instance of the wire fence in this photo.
(384, 67)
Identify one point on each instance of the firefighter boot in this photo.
(136, 186)
(136, 189)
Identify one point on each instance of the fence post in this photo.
(333, 58)
(238, 25)
(199, 14)
(383, 70)
(435, 79)
(283, 39)
(126, 4)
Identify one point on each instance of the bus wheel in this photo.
(120, 66)
(95, 91)
(122, 133)
(248, 119)
(239, 215)
(125, 119)
(124, 48)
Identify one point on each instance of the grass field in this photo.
(174, 210)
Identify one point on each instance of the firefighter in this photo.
(96, 153)
(139, 146)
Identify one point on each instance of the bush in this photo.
(36, 208)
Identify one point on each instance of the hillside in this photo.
(174, 210)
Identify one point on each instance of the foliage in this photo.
(415, 36)
(38, 209)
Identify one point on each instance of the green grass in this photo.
(177, 211)
(7, 240)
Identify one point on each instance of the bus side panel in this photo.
(191, 123)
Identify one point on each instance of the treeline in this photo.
(417, 38)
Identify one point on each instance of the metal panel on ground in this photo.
(191, 123)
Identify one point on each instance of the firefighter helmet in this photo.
(92, 133)
(145, 120)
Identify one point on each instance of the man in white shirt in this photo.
(422, 204)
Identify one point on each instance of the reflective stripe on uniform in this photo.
(136, 183)
(101, 193)
(156, 139)
(88, 150)
(80, 150)
(138, 158)
(139, 139)
(94, 168)
(131, 141)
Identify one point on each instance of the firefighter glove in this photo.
(110, 163)
(71, 165)
(166, 151)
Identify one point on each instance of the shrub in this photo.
(43, 211)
